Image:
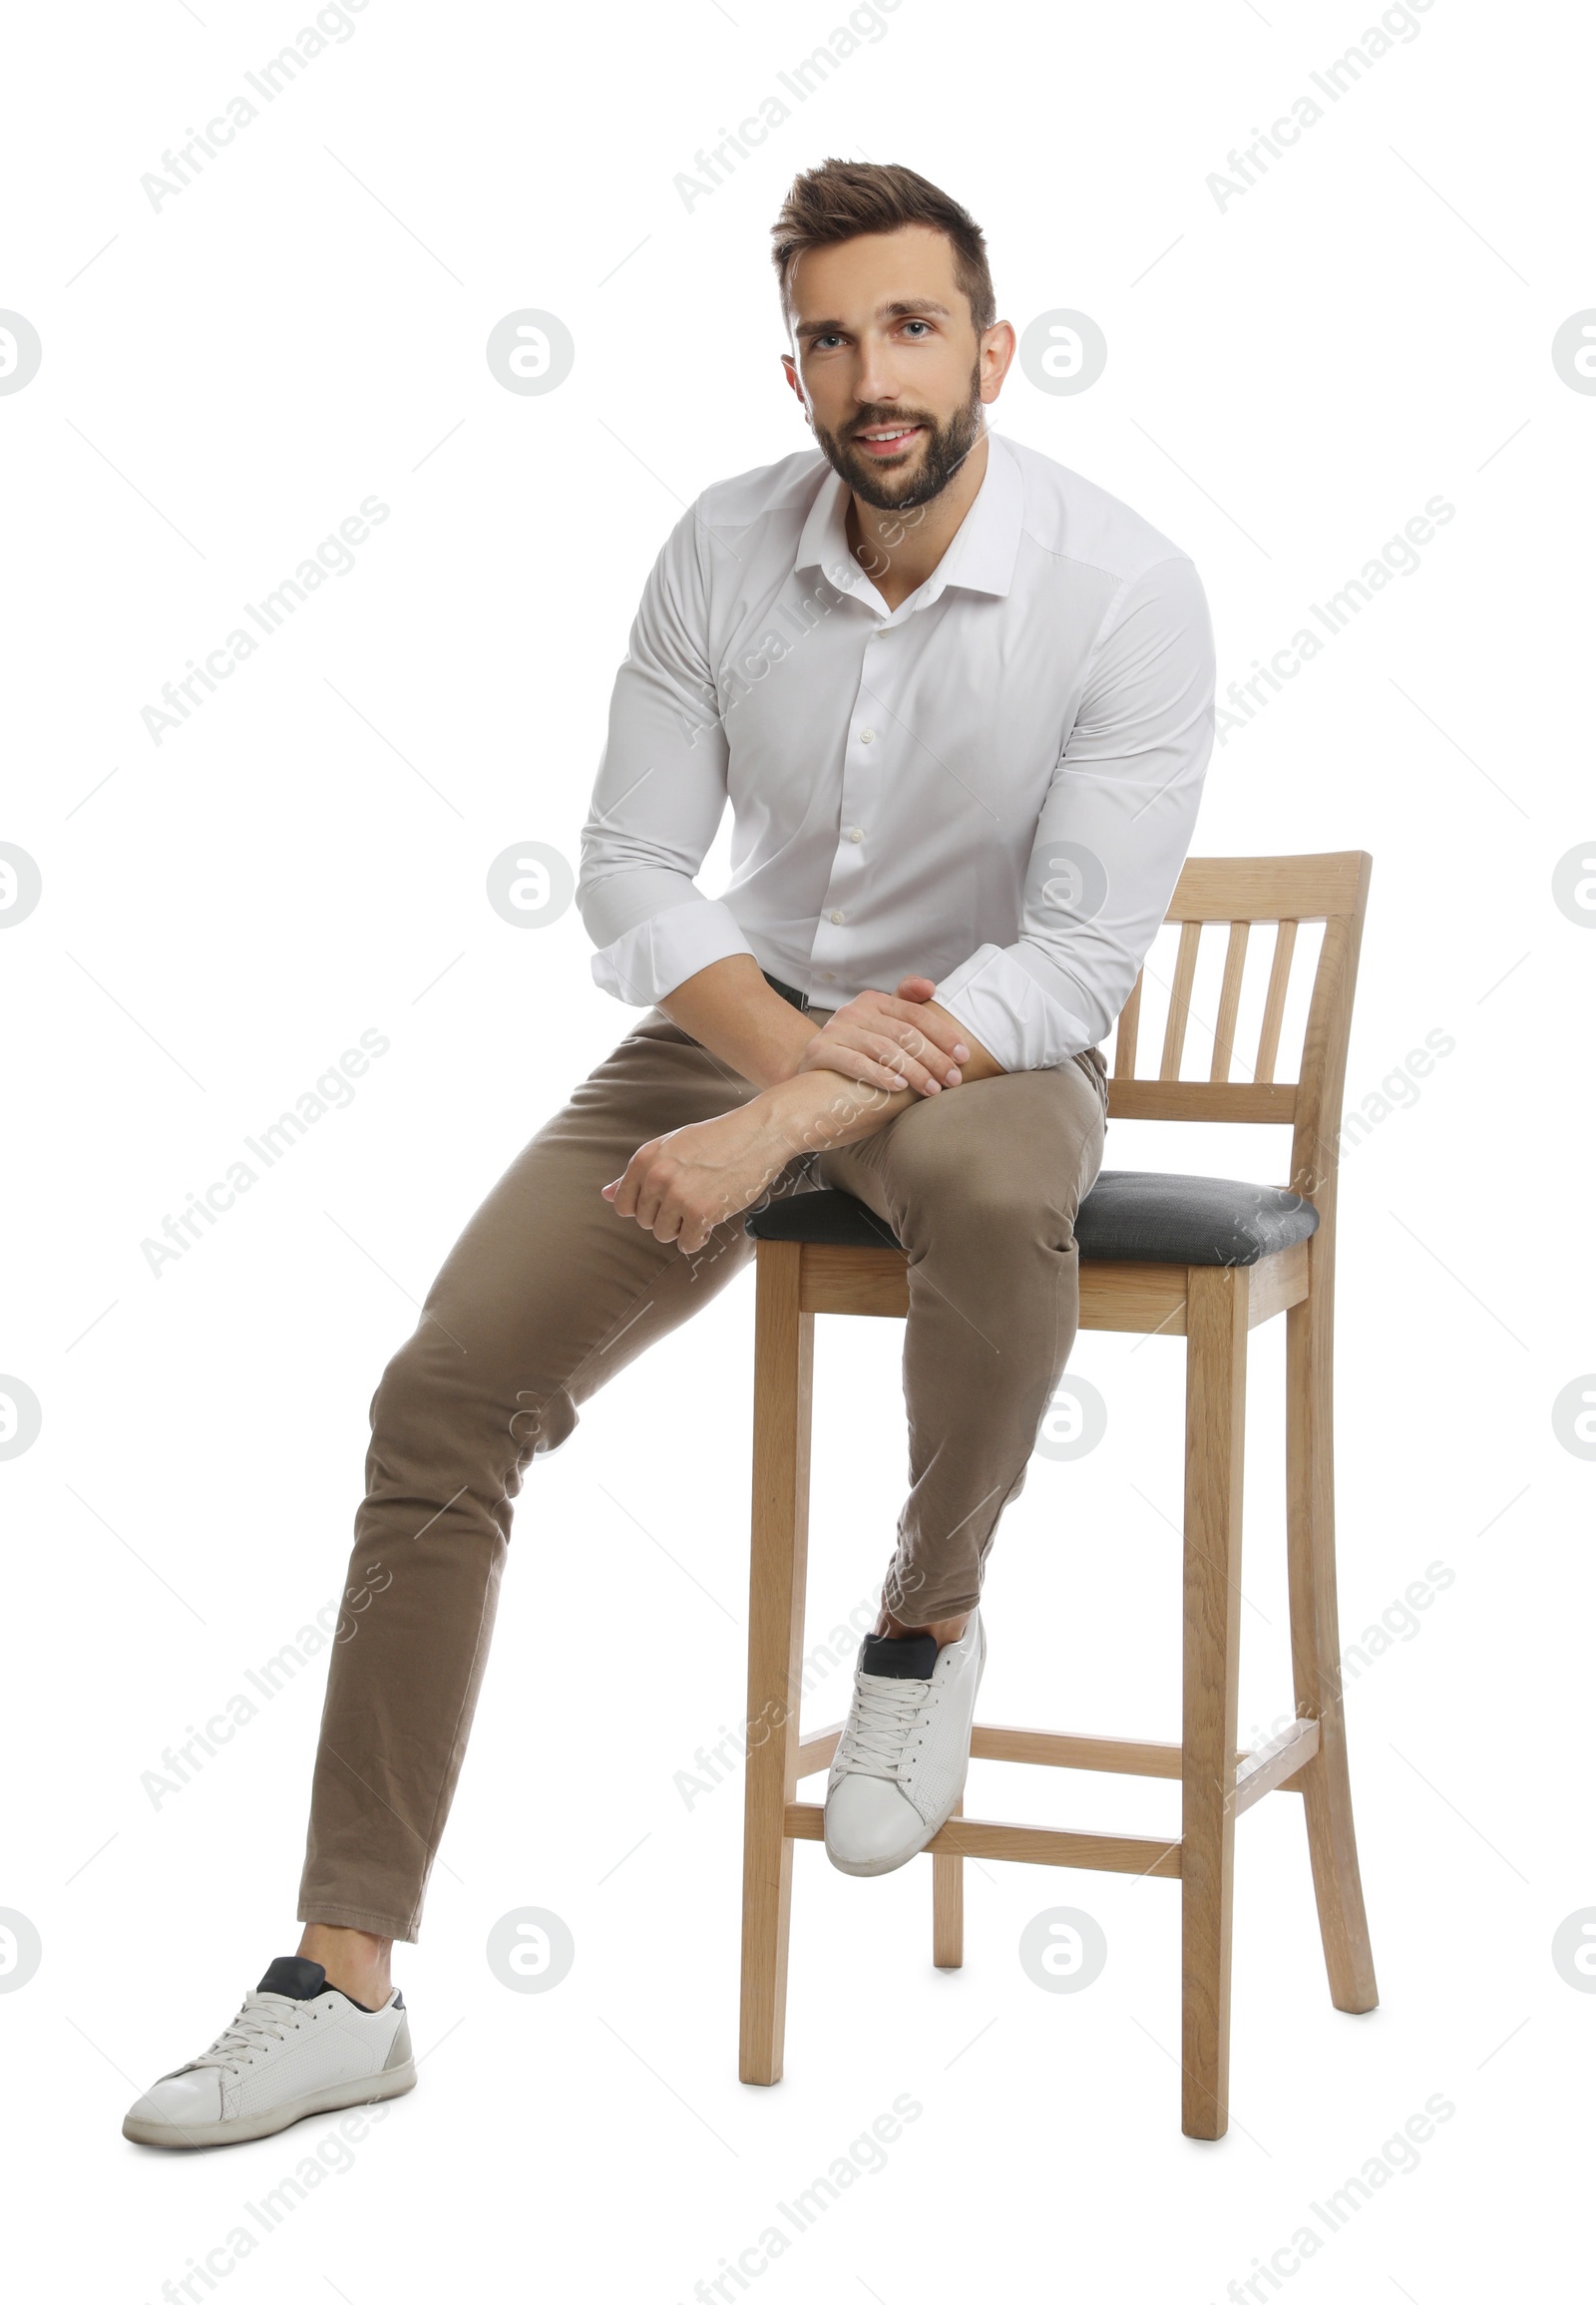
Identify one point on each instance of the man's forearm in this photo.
(821, 1110)
(814, 1111)
(730, 1011)
(683, 1184)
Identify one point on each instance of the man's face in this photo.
(888, 363)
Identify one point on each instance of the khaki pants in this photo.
(548, 1294)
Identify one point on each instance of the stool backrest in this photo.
(1244, 892)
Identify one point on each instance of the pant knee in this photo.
(1006, 1216)
(436, 1410)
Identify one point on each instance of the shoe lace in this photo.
(878, 1739)
(258, 2025)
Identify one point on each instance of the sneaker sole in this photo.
(872, 1869)
(334, 2098)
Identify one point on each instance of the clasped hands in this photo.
(887, 1048)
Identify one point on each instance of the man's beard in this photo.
(947, 445)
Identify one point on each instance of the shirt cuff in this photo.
(662, 951)
(1024, 1028)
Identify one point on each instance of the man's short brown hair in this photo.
(843, 198)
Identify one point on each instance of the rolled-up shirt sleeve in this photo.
(1111, 837)
(659, 794)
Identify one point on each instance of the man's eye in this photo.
(918, 324)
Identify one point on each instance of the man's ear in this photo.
(998, 349)
(790, 369)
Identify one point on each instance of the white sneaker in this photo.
(903, 1754)
(298, 2046)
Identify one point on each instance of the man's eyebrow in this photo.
(900, 309)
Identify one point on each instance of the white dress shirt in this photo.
(993, 785)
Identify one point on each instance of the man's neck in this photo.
(898, 551)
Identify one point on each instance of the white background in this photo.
(1290, 378)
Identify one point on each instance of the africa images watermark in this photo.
(332, 1090)
(181, 1765)
(333, 25)
(866, 25)
(712, 1764)
(1398, 2156)
(866, 2157)
(1399, 556)
(1398, 23)
(1397, 1623)
(740, 672)
(333, 2156)
(239, 646)
(1395, 1094)
(750, 661)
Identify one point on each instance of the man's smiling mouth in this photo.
(882, 440)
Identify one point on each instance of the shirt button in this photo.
(836, 920)
(854, 833)
(867, 736)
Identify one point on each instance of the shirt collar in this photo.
(981, 558)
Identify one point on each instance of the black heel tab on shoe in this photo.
(913, 1658)
(295, 1977)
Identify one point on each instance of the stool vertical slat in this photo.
(1229, 1002)
(784, 1340)
(1128, 1028)
(1180, 999)
(1216, 1387)
(1275, 1001)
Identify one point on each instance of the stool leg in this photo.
(1216, 1384)
(1315, 1644)
(948, 1906)
(784, 1338)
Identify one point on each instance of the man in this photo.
(962, 703)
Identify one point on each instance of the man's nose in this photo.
(877, 380)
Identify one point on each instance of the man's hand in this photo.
(681, 1186)
(891, 1041)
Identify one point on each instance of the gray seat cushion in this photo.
(1129, 1216)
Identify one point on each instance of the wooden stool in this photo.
(1196, 1257)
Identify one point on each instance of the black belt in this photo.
(789, 993)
